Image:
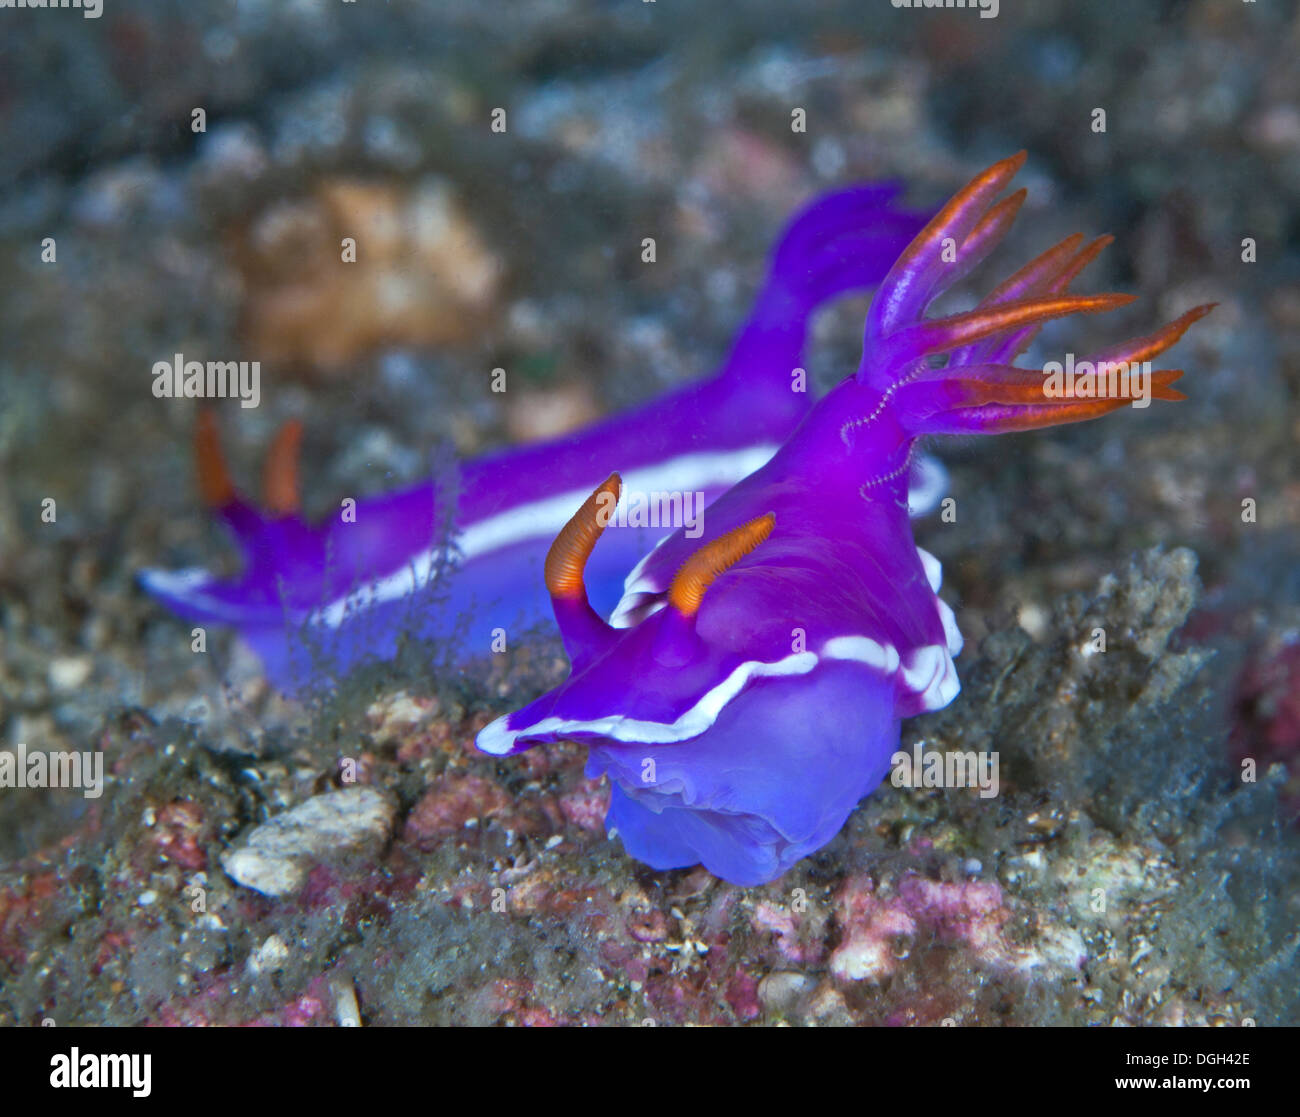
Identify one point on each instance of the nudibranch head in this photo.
(748, 671)
(747, 690)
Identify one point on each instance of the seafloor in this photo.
(1125, 874)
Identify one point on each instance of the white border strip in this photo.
(545, 518)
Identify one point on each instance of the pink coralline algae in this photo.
(786, 925)
(871, 926)
(179, 835)
(971, 912)
(878, 929)
(301, 1012)
(511, 1001)
(451, 803)
(586, 805)
(1267, 728)
(742, 996)
(23, 908)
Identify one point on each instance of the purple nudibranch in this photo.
(746, 691)
(313, 600)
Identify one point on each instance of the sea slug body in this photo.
(746, 691)
(313, 600)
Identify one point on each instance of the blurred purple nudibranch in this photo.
(314, 600)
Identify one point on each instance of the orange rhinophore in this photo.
(567, 558)
(280, 478)
(699, 571)
(215, 486)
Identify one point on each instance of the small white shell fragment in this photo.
(274, 858)
(269, 957)
(346, 1010)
